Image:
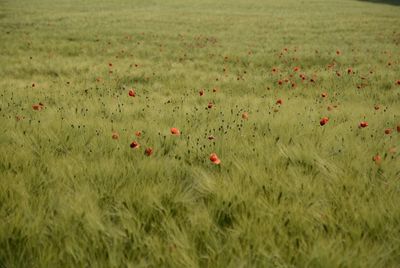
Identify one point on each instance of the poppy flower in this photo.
(363, 124)
(215, 89)
(132, 93)
(323, 121)
(115, 136)
(245, 115)
(148, 151)
(110, 65)
(280, 82)
(279, 101)
(274, 70)
(38, 107)
(134, 145)
(337, 52)
(211, 137)
(377, 159)
(388, 131)
(138, 133)
(33, 84)
(398, 82)
(349, 71)
(376, 107)
(398, 128)
(201, 92)
(324, 94)
(214, 158)
(210, 105)
(175, 131)
(296, 68)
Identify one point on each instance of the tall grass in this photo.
(288, 192)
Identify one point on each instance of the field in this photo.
(110, 112)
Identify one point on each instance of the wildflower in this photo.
(214, 158)
(132, 93)
(148, 151)
(134, 145)
(323, 121)
(175, 131)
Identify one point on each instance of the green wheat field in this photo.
(182, 133)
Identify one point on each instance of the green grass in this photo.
(288, 192)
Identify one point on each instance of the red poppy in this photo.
(175, 131)
(214, 158)
(279, 101)
(377, 159)
(245, 115)
(134, 145)
(211, 137)
(363, 124)
(132, 93)
(148, 151)
(398, 128)
(324, 95)
(376, 107)
(388, 131)
(201, 92)
(210, 105)
(138, 133)
(280, 82)
(296, 68)
(349, 71)
(337, 52)
(323, 121)
(38, 107)
(398, 82)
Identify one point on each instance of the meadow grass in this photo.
(288, 192)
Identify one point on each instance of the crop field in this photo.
(182, 133)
